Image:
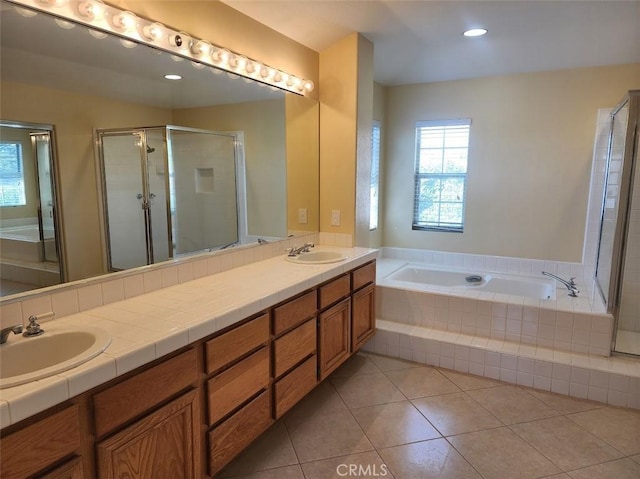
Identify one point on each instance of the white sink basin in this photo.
(317, 257)
(23, 360)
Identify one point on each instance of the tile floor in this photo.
(379, 417)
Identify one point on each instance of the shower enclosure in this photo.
(168, 191)
(618, 261)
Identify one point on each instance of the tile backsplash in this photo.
(82, 295)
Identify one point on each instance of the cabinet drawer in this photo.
(39, 445)
(363, 275)
(134, 396)
(294, 346)
(295, 385)
(232, 387)
(234, 344)
(229, 438)
(294, 312)
(335, 290)
(69, 470)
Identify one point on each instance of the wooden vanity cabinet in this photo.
(189, 414)
(41, 445)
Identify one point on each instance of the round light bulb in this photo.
(97, 34)
(251, 66)
(308, 85)
(222, 55)
(25, 12)
(92, 9)
(153, 31)
(277, 76)
(125, 21)
(128, 43)
(202, 48)
(265, 72)
(65, 24)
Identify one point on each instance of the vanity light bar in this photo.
(127, 25)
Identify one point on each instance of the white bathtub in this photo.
(23, 243)
(414, 276)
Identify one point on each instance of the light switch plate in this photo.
(302, 216)
(335, 217)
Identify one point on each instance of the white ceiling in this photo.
(421, 40)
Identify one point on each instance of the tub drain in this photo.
(473, 279)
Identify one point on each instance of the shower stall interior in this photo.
(618, 261)
(169, 191)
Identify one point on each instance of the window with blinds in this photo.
(441, 174)
(12, 188)
(375, 176)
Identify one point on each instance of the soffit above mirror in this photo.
(36, 50)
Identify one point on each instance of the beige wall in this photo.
(263, 125)
(74, 117)
(303, 162)
(529, 160)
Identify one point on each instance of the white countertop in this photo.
(152, 325)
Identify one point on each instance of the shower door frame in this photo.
(142, 132)
(612, 297)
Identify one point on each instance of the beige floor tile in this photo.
(456, 413)
(356, 364)
(467, 382)
(636, 458)
(619, 427)
(428, 459)
(512, 404)
(362, 465)
(324, 399)
(565, 443)
(557, 476)
(620, 469)
(394, 424)
(385, 363)
(564, 404)
(272, 449)
(329, 435)
(421, 382)
(289, 472)
(366, 390)
(500, 454)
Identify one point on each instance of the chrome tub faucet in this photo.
(571, 284)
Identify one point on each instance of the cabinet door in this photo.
(162, 444)
(334, 336)
(69, 470)
(363, 324)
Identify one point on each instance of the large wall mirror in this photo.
(91, 89)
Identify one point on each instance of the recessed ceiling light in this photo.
(171, 76)
(475, 32)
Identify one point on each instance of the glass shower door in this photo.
(125, 205)
(204, 206)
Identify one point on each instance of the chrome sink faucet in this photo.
(305, 248)
(4, 334)
(571, 284)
